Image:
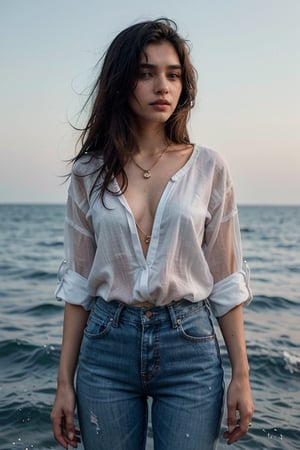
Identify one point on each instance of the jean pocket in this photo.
(97, 328)
(197, 327)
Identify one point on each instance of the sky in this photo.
(247, 56)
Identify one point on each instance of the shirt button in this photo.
(148, 314)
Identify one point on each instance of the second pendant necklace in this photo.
(147, 172)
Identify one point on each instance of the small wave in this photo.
(18, 358)
(268, 302)
(44, 309)
(17, 273)
(36, 274)
(25, 425)
(266, 368)
(247, 230)
(294, 269)
(50, 244)
(29, 274)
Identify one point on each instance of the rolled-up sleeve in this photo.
(79, 247)
(230, 292)
(73, 288)
(223, 251)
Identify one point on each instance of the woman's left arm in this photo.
(239, 398)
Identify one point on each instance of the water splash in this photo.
(292, 362)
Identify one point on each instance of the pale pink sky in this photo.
(248, 109)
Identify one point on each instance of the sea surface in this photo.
(31, 248)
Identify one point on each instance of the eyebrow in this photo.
(153, 66)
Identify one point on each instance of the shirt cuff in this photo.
(230, 292)
(73, 288)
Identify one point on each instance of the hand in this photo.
(62, 417)
(239, 400)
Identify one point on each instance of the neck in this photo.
(151, 141)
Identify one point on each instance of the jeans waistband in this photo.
(174, 311)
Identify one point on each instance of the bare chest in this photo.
(145, 189)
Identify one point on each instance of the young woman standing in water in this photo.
(152, 246)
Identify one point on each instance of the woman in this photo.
(152, 246)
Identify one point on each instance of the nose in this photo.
(161, 86)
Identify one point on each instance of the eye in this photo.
(174, 75)
(145, 74)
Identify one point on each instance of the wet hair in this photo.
(109, 133)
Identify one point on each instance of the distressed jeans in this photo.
(169, 353)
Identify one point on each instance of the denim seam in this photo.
(200, 339)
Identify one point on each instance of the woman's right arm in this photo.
(62, 415)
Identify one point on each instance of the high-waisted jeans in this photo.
(169, 353)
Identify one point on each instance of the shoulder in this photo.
(212, 162)
(84, 175)
(218, 176)
(86, 165)
(211, 156)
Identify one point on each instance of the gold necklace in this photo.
(147, 172)
(147, 237)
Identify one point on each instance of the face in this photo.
(159, 84)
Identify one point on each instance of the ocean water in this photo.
(31, 248)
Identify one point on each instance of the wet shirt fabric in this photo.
(195, 250)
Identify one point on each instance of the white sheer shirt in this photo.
(195, 249)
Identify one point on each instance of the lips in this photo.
(160, 102)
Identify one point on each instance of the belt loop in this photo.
(172, 316)
(116, 317)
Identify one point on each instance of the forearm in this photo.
(239, 398)
(232, 328)
(75, 318)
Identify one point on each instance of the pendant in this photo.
(147, 174)
(147, 239)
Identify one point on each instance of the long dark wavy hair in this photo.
(110, 133)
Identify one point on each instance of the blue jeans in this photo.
(169, 353)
